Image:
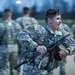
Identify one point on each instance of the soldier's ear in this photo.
(49, 20)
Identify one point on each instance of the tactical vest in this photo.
(10, 33)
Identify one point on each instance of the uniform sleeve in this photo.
(18, 20)
(69, 43)
(25, 39)
(2, 32)
(34, 21)
(2, 29)
(18, 28)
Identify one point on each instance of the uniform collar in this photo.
(49, 29)
(57, 32)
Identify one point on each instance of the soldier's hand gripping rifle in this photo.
(52, 47)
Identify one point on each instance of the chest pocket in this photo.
(37, 36)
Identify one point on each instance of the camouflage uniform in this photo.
(26, 20)
(63, 62)
(32, 36)
(4, 68)
(10, 32)
(66, 28)
(73, 30)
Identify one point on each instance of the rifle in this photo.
(49, 48)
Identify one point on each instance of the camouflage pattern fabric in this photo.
(8, 35)
(31, 36)
(26, 20)
(73, 30)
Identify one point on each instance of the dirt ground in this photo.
(69, 67)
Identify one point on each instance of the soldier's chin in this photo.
(57, 28)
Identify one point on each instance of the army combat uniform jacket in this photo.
(9, 30)
(26, 20)
(32, 36)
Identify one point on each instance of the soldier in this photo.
(26, 19)
(4, 68)
(73, 30)
(36, 39)
(63, 62)
(10, 32)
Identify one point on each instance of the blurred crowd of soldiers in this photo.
(10, 48)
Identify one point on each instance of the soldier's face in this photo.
(55, 22)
